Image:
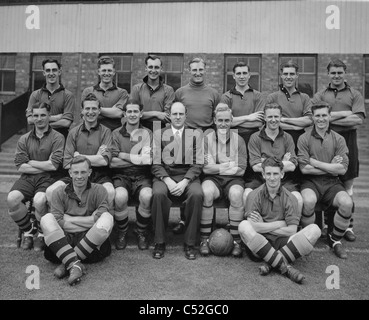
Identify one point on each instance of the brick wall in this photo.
(269, 73)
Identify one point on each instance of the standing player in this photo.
(322, 158)
(39, 154)
(225, 164)
(348, 112)
(131, 160)
(61, 100)
(155, 96)
(112, 99)
(296, 105)
(270, 230)
(79, 224)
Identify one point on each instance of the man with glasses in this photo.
(112, 98)
(155, 96)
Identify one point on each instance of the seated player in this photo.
(225, 164)
(323, 158)
(273, 141)
(270, 231)
(92, 140)
(130, 163)
(39, 154)
(79, 224)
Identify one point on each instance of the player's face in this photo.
(90, 111)
(273, 176)
(51, 73)
(79, 173)
(40, 118)
(197, 70)
(223, 121)
(272, 118)
(242, 76)
(106, 73)
(153, 69)
(178, 116)
(133, 114)
(337, 76)
(321, 118)
(289, 77)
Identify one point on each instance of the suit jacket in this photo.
(178, 161)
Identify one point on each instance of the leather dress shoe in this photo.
(349, 235)
(179, 229)
(190, 252)
(159, 251)
(204, 247)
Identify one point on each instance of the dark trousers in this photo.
(160, 209)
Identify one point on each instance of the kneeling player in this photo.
(131, 160)
(271, 225)
(79, 224)
(225, 164)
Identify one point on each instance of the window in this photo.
(172, 69)
(306, 81)
(366, 66)
(7, 72)
(38, 79)
(253, 61)
(123, 69)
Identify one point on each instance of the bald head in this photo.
(178, 114)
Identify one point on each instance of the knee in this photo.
(121, 198)
(309, 202)
(235, 197)
(312, 233)
(145, 196)
(105, 222)
(49, 223)
(245, 229)
(39, 199)
(345, 205)
(208, 196)
(14, 199)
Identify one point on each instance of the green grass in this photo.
(134, 275)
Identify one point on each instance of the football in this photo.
(221, 242)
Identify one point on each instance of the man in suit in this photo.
(176, 175)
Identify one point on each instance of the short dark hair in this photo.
(336, 63)
(272, 162)
(80, 159)
(240, 64)
(50, 60)
(90, 97)
(41, 105)
(105, 60)
(132, 101)
(153, 57)
(289, 64)
(272, 106)
(320, 105)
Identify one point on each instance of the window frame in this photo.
(252, 72)
(300, 72)
(366, 76)
(7, 70)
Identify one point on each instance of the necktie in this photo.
(177, 138)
